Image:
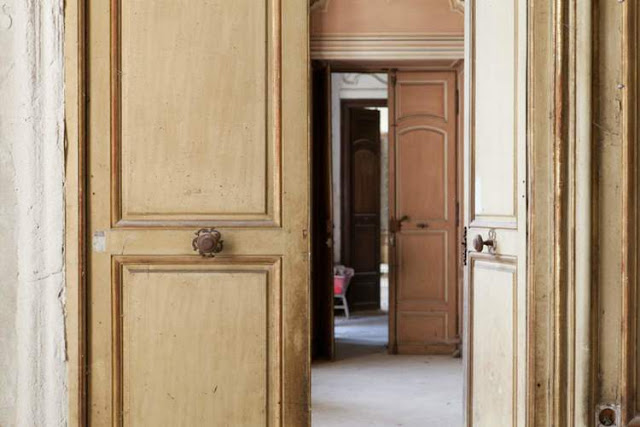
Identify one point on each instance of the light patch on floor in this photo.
(365, 386)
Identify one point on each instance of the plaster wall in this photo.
(32, 342)
(376, 17)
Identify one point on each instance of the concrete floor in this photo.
(367, 387)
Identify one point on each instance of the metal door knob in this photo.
(479, 243)
(207, 242)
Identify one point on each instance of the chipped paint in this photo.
(32, 360)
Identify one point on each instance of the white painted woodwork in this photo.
(495, 199)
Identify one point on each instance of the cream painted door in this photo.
(423, 211)
(197, 119)
(495, 187)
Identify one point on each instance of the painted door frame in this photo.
(561, 359)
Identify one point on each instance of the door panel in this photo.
(417, 147)
(493, 359)
(185, 313)
(187, 131)
(162, 100)
(424, 273)
(423, 195)
(495, 200)
(362, 222)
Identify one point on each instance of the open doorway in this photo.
(387, 197)
(386, 200)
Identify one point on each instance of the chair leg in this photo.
(346, 306)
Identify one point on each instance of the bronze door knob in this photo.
(207, 242)
(479, 243)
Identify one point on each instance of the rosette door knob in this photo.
(207, 242)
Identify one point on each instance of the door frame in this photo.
(560, 58)
(456, 66)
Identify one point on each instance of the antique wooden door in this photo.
(322, 343)
(495, 184)
(197, 119)
(361, 202)
(423, 213)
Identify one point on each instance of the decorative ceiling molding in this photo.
(321, 5)
(457, 5)
(353, 79)
(382, 47)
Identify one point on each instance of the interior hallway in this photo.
(367, 387)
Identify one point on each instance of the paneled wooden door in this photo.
(423, 213)
(361, 201)
(191, 127)
(495, 184)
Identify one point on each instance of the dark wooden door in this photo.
(361, 204)
(322, 215)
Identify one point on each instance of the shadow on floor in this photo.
(361, 334)
(366, 386)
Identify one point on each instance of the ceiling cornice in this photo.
(457, 5)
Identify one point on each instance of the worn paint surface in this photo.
(32, 360)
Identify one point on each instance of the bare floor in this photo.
(367, 387)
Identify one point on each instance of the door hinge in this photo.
(464, 246)
(457, 102)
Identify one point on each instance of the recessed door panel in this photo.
(423, 274)
(422, 152)
(492, 338)
(418, 329)
(495, 124)
(427, 97)
(175, 123)
(176, 330)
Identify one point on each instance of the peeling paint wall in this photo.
(32, 356)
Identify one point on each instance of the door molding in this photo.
(630, 379)
(388, 47)
(563, 269)
(76, 240)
